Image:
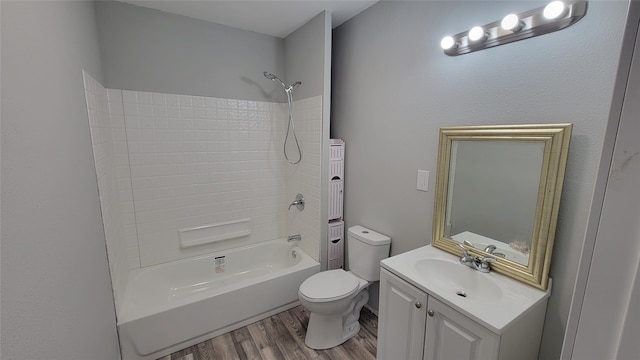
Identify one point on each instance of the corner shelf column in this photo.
(335, 233)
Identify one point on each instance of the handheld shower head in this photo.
(272, 77)
(289, 91)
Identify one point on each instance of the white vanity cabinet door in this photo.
(401, 319)
(451, 335)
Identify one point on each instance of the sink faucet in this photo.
(480, 264)
(296, 237)
(298, 202)
(490, 249)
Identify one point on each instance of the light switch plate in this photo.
(423, 180)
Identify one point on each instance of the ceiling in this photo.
(275, 18)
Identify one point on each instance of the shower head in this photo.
(272, 77)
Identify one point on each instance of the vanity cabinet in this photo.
(414, 325)
(401, 319)
(451, 335)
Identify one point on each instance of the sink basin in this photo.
(455, 278)
(491, 299)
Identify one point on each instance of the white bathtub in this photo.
(172, 306)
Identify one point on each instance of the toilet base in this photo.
(320, 338)
(327, 331)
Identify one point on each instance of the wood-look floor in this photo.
(282, 337)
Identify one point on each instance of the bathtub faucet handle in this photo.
(298, 202)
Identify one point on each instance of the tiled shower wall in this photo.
(180, 162)
(102, 138)
(123, 176)
(199, 161)
(304, 177)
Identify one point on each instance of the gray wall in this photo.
(149, 50)
(304, 57)
(393, 88)
(56, 294)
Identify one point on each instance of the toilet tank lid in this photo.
(368, 236)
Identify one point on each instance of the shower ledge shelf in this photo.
(212, 233)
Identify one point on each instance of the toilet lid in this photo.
(329, 284)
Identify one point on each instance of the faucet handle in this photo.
(465, 259)
(464, 250)
(298, 202)
(484, 263)
(487, 259)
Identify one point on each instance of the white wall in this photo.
(393, 88)
(150, 50)
(56, 295)
(608, 304)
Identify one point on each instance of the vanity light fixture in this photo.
(447, 43)
(476, 34)
(512, 23)
(554, 10)
(555, 16)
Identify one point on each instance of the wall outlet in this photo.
(423, 180)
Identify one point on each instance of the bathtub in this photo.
(172, 306)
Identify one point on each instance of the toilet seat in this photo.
(329, 286)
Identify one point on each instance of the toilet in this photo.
(335, 297)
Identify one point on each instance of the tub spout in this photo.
(296, 237)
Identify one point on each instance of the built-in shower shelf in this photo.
(212, 233)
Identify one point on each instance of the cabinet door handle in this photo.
(418, 305)
(430, 313)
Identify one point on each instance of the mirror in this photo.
(498, 193)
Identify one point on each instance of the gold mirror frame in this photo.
(556, 138)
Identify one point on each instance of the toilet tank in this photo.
(366, 249)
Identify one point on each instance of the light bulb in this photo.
(511, 22)
(447, 43)
(476, 33)
(554, 10)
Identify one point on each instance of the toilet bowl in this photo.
(335, 297)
